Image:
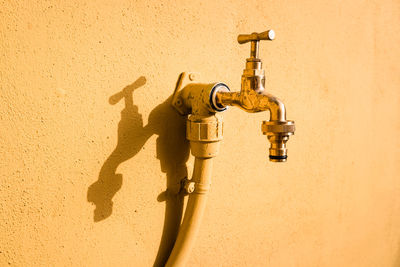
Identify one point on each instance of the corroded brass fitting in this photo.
(204, 124)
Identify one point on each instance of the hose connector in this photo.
(278, 133)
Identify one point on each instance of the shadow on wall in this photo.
(172, 152)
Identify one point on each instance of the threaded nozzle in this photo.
(278, 133)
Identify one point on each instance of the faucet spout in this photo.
(253, 98)
(277, 128)
(253, 102)
(275, 106)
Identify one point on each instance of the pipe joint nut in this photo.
(274, 127)
(204, 129)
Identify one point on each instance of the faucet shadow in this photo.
(172, 152)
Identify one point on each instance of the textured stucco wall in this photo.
(336, 202)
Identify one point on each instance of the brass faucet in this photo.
(199, 99)
(253, 98)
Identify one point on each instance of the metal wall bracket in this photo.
(184, 79)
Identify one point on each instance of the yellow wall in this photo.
(336, 202)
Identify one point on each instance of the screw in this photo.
(179, 102)
(192, 76)
(271, 35)
(189, 187)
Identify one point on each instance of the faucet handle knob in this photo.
(267, 35)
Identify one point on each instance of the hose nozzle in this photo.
(278, 133)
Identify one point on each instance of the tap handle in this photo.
(255, 38)
(267, 35)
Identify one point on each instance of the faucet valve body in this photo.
(253, 75)
(278, 133)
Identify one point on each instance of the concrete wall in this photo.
(67, 147)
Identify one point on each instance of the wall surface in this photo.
(89, 143)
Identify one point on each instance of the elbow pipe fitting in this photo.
(199, 98)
